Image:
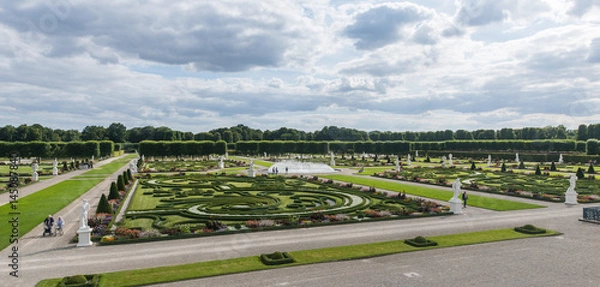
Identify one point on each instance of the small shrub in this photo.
(530, 229)
(276, 258)
(420, 241)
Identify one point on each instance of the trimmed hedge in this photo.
(420, 241)
(530, 229)
(80, 281)
(276, 258)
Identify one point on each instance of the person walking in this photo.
(48, 223)
(464, 198)
(60, 222)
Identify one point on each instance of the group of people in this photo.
(49, 224)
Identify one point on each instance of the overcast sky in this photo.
(370, 65)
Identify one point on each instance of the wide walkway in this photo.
(55, 257)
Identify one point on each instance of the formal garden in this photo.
(176, 205)
(544, 181)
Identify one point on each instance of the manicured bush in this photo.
(79, 281)
(473, 167)
(120, 183)
(553, 167)
(537, 170)
(420, 241)
(591, 169)
(503, 169)
(276, 258)
(114, 193)
(104, 206)
(580, 174)
(521, 165)
(530, 229)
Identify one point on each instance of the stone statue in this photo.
(85, 208)
(560, 159)
(34, 173)
(489, 163)
(397, 164)
(416, 153)
(444, 161)
(571, 194)
(408, 160)
(332, 160)
(572, 182)
(456, 188)
(517, 157)
(450, 159)
(55, 167)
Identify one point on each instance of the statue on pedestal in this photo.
(83, 212)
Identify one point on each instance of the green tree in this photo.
(503, 168)
(537, 170)
(104, 206)
(580, 174)
(591, 169)
(473, 167)
(552, 167)
(116, 132)
(114, 193)
(521, 165)
(120, 183)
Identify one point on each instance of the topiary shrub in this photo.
(420, 241)
(114, 193)
(276, 258)
(580, 174)
(530, 229)
(79, 281)
(104, 206)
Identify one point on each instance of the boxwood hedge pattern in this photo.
(195, 199)
(544, 187)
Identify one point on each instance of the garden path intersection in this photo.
(566, 260)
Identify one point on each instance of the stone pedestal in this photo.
(571, 197)
(84, 236)
(221, 165)
(251, 172)
(456, 206)
(54, 171)
(34, 176)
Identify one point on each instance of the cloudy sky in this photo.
(370, 65)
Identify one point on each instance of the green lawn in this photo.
(34, 208)
(253, 263)
(433, 193)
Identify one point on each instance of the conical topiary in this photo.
(503, 169)
(104, 206)
(580, 174)
(553, 167)
(522, 165)
(473, 167)
(591, 169)
(114, 192)
(537, 170)
(129, 175)
(120, 183)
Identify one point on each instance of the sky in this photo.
(368, 65)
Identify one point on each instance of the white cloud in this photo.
(373, 65)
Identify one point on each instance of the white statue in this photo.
(408, 160)
(571, 194)
(251, 169)
(456, 188)
(55, 167)
(332, 160)
(85, 208)
(34, 173)
(397, 164)
(489, 163)
(560, 159)
(450, 159)
(416, 153)
(444, 161)
(517, 157)
(455, 202)
(221, 164)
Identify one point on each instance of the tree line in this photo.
(118, 133)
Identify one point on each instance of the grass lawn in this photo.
(433, 193)
(253, 263)
(34, 208)
(113, 166)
